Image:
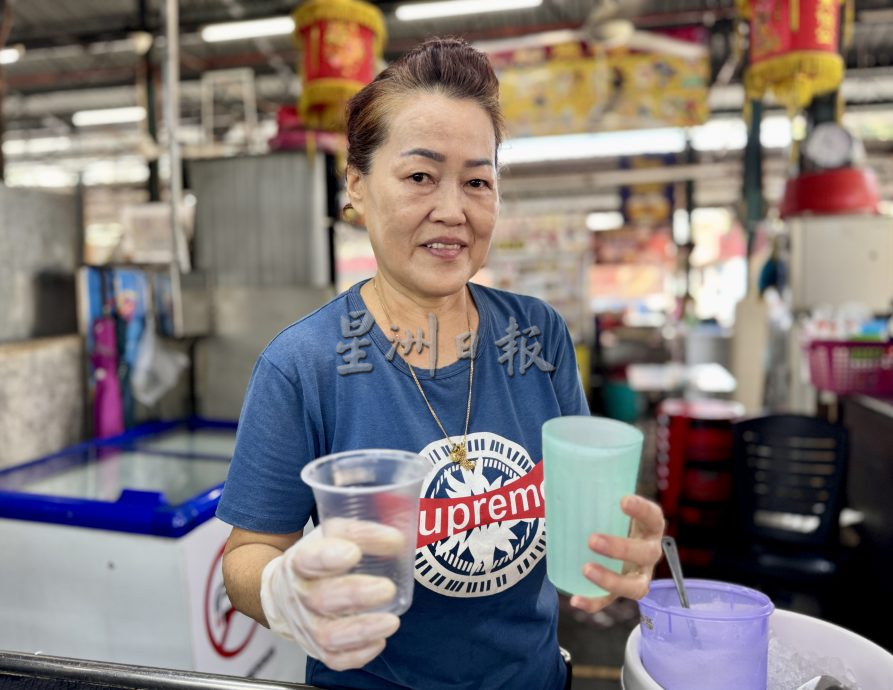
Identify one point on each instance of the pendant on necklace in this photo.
(459, 455)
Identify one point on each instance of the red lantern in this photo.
(793, 49)
(339, 41)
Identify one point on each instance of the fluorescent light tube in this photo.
(255, 28)
(10, 55)
(717, 134)
(37, 146)
(599, 145)
(455, 8)
(108, 116)
(775, 132)
(599, 221)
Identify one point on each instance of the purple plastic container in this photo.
(721, 642)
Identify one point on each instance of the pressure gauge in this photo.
(829, 146)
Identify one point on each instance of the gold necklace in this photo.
(458, 451)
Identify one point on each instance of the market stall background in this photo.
(623, 205)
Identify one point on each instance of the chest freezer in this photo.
(111, 552)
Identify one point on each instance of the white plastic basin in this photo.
(871, 665)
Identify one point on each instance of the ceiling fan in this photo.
(608, 25)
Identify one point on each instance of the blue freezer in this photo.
(111, 552)
(162, 479)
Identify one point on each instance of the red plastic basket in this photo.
(851, 367)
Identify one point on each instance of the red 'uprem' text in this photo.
(522, 499)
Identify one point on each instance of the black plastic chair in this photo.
(789, 485)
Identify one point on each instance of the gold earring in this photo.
(350, 215)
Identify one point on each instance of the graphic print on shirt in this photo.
(481, 531)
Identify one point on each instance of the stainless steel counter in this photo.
(39, 672)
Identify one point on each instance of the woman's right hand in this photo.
(307, 596)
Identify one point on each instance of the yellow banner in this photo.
(570, 88)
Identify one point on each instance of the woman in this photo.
(422, 174)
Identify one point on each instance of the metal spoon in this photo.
(671, 552)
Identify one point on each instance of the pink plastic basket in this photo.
(851, 367)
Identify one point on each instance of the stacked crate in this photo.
(694, 473)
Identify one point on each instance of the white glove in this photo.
(308, 599)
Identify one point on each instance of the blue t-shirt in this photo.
(484, 615)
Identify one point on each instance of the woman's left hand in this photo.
(639, 552)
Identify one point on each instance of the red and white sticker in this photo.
(229, 631)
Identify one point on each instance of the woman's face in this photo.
(430, 199)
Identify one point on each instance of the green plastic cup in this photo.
(590, 463)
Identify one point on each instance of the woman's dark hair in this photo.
(446, 66)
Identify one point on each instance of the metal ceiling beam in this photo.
(118, 27)
(36, 83)
(26, 112)
(662, 14)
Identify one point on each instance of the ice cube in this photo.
(790, 668)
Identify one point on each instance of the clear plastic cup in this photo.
(371, 497)
(722, 641)
(590, 463)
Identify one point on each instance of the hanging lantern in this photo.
(793, 49)
(339, 41)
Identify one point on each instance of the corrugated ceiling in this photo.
(85, 45)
